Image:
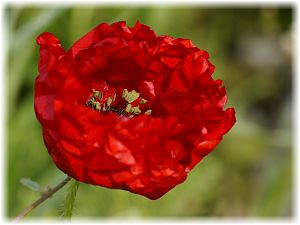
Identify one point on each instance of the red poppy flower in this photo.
(126, 109)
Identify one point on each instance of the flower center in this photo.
(129, 103)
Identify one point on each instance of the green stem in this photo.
(70, 199)
(44, 197)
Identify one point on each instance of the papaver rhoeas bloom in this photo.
(126, 109)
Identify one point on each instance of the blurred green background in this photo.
(250, 174)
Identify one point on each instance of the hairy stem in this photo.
(44, 196)
(70, 199)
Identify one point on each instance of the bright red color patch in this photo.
(94, 139)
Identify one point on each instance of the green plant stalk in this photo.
(70, 199)
(44, 197)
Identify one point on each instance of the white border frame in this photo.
(213, 3)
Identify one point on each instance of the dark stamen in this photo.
(124, 105)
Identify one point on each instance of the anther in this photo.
(130, 96)
(128, 108)
(135, 110)
(109, 101)
(125, 93)
(148, 112)
(97, 106)
(143, 101)
(121, 107)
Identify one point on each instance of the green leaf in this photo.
(70, 199)
(27, 182)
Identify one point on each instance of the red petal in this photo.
(50, 52)
(97, 34)
(118, 150)
(143, 33)
(44, 107)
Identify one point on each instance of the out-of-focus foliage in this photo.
(249, 174)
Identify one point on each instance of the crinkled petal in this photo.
(50, 52)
